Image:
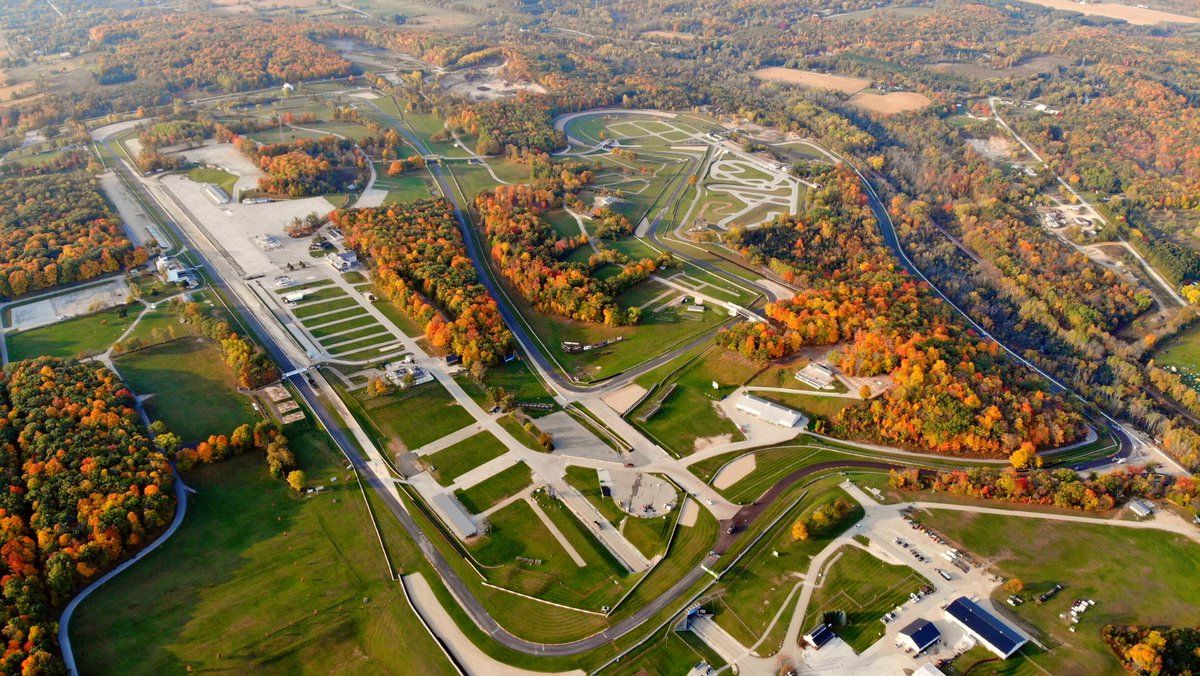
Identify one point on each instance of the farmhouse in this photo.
(455, 516)
(343, 260)
(985, 627)
(919, 635)
(817, 375)
(769, 411)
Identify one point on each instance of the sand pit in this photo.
(1138, 16)
(890, 103)
(807, 78)
(689, 514)
(734, 472)
(624, 399)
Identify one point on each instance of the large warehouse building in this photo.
(991, 631)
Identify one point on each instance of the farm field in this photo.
(1107, 564)
(805, 78)
(274, 582)
(891, 103)
(194, 393)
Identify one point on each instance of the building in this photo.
(171, 269)
(1140, 508)
(928, 670)
(769, 411)
(216, 193)
(398, 373)
(343, 260)
(455, 516)
(992, 632)
(919, 635)
(819, 635)
(820, 376)
(605, 202)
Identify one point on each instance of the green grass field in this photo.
(409, 186)
(352, 319)
(671, 652)
(218, 177)
(481, 496)
(1135, 577)
(273, 583)
(515, 377)
(454, 461)
(822, 406)
(194, 392)
(756, 587)
(865, 588)
(1183, 352)
(689, 414)
(418, 415)
(650, 536)
(79, 337)
(339, 303)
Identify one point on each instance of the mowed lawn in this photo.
(418, 415)
(194, 392)
(689, 414)
(79, 337)
(454, 461)
(481, 496)
(755, 588)
(1182, 351)
(1135, 577)
(259, 580)
(865, 588)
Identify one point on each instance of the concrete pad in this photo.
(473, 660)
(371, 198)
(137, 223)
(624, 399)
(571, 438)
(641, 494)
(735, 471)
(689, 513)
(76, 303)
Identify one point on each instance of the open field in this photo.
(689, 416)
(757, 586)
(1038, 64)
(1182, 351)
(865, 588)
(1135, 576)
(218, 177)
(481, 496)
(671, 652)
(669, 35)
(273, 583)
(78, 337)
(1138, 16)
(417, 416)
(890, 103)
(807, 78)
(466, 455)
(194, 392)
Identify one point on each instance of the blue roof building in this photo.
(988, 629)
(919, 635)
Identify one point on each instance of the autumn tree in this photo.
(297, 480)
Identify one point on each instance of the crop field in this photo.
(805, 78)
(890, 103)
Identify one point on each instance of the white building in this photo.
(769, 411)
(343, 260)
(171, 269)
(397, 373)
(455, 516)
(1140, 508)
(216, 193)
(817, 375)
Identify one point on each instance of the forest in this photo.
(530, 253)
(419, 263)
(1168, 651)
(953, 392)
(57, 229)
(86, 488)
(306, 167)
(509, 127)
(183, 52)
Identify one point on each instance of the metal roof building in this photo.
(988, 629)
(455, 516)
(819, 635)
(919, 635)
(769, 411)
